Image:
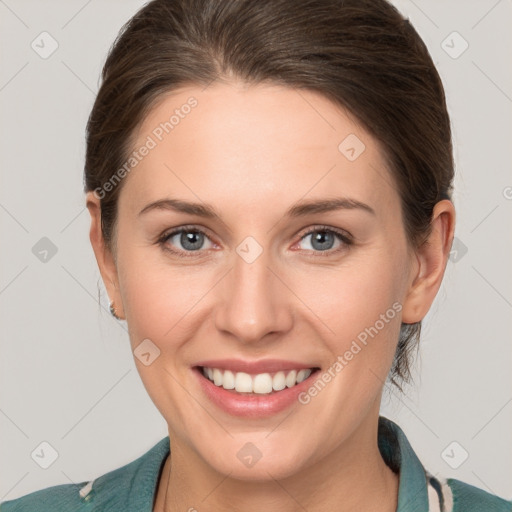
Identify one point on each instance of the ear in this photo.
(104, 257)
(431, 259)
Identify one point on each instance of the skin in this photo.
(252, 152)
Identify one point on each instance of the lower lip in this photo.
(252, 405)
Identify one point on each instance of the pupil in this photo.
(190, 240)
(322, 237)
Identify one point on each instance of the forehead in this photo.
(239, 145)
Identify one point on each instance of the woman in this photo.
(269, 187)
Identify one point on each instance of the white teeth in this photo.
(291, 379)
(263, 383)
(217, 377)
(279, 381)
(243, 382)
(303, 375)
(228, 380)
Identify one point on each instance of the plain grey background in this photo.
(67, 374)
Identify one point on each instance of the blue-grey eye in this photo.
(321, 239)
(189, 239)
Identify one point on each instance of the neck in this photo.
(351, 478)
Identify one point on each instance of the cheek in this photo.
(158, 295)
(352, 295)
(159, 301)
(356, 308)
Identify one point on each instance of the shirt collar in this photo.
(401, 458)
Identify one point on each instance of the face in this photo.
(262, 278)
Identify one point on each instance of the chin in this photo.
(257, 461)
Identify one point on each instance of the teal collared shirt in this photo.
(132, 488)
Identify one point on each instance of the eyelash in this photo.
(345, 238)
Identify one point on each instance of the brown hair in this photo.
(360, 54)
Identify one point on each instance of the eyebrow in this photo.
(298, 210)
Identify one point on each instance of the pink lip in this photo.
(252, 405)
(255, 367)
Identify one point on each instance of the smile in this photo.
(261, 383)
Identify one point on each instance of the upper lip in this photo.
(255, 367)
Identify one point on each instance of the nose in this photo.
(255, 302)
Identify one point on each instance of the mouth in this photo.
(265, 383)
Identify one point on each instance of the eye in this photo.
(323, 239)
(191, 240)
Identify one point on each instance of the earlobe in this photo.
(432, 257)
(104, 256)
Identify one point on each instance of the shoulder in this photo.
(439, 493)
(467, 497)
(127, 488)
(59, 497)
(458, 496)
